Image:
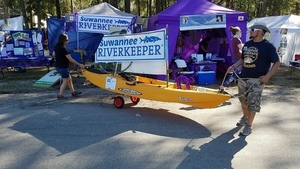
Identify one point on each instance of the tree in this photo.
(23, 11)
(127, 6)
(5, 12)
(254, 8)
(138, 7)
(158, 6)
(58, 11)
(150, 8)
(114, 3)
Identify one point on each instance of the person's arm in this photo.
(240, 46)
(74, 61)
(266, 78)
(236, 65)
(203, 48)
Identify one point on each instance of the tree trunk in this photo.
(72, 8)
(58, 11)
(227, 3)
(264, 8)
(138, 7)
(114, 3)
(163, 4)
(158, 6)
(39, 16)
(23, 11)
(297, 8)
(127, 6)
(150, 8)
(6, 13)
(30, 20)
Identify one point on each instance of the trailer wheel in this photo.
(119, 102)
(134, 100)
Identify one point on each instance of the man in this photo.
(256, 59)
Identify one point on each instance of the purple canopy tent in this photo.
(171, 17)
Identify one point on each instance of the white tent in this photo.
(107, 9)
(104, 9)
(285, 34)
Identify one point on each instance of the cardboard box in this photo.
(206, 77)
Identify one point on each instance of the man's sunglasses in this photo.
(253, 29)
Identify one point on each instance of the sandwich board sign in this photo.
(50, 79)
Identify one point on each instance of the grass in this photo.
(283, 78)
(22, 82)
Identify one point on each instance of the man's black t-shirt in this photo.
(257, 57)
(60, 56)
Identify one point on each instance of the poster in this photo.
(25, 44)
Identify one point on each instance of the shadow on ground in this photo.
(75, 126)
(217, 153)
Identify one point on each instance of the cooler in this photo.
(206, 77)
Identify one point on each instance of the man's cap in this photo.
(260, 25)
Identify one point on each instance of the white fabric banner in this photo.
(145, 67)
(144, 53)
(134, 47)
(15, 23)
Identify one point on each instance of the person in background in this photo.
(204, 47)
(236, 43)
(219, 18)
(63, 57)
(257, 56)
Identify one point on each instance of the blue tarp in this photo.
(88, 42)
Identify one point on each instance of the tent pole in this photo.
(77, 34)
(167, 59)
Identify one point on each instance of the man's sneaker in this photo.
(75, 94)
(243, 121)
(246, 131)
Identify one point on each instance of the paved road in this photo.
(39, 132)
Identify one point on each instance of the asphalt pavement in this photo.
(88, 132)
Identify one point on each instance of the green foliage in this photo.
(254, 8)
(262, 8)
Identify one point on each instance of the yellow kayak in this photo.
(152, 89)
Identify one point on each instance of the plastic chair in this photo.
(181, 65)
(181, 74)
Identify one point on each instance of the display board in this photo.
(23, 44)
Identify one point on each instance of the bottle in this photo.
(231, 77)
